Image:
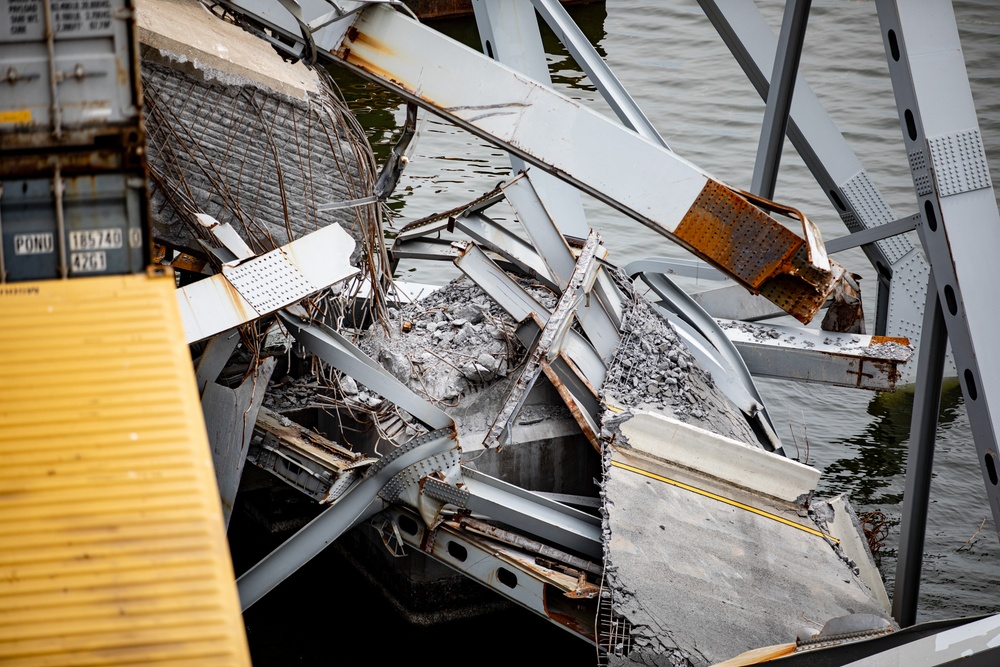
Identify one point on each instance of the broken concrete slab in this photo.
(729, 460)
(702, 570)
(180, 32)
(236, 132)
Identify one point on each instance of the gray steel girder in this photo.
(960, 229)
(356, 505)
(960, 226)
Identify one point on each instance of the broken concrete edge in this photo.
(875, 348)
(842, 523)
(624, 640)
(177, 33)
(717, 456)
(639, 638)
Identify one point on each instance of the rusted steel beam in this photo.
(548, 345)
(517, 540)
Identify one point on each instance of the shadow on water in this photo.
(878, 454)
(327, 613)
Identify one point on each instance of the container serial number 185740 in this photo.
(95, 239)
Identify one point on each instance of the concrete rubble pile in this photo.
(654, 370)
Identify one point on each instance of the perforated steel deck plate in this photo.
(269, 282)
(737, 236)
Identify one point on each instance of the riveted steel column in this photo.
(961, 224)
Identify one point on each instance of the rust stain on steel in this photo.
(889, 370)
(898, 340)
(583, 622)
(584, 589)
(726, 229)
(345, 52)
(302, 439)
(883, 376)
(244, 310)
(744, 241)
(188, 262)
(846, 313)
(803, 289)
(574, 407)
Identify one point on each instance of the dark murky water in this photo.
(680, 73)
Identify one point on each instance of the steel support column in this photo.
(779, 97)
(583, 52)
(920, 459)
(509, 32)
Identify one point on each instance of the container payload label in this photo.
(34, 244)
(25, 17)
(15, 117)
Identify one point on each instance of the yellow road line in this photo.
(723, 499)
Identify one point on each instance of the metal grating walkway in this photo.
(112, 547)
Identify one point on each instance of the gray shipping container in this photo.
(103, 226)
(73, 195)
(88, 90)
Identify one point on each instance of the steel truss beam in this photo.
(900, 266)
(779, 97)
(359, 504)
(960, 229)
(509, 33)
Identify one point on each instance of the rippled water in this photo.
(684, 78)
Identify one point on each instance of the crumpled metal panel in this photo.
(746, 243)
(727, 230)
(112, 547)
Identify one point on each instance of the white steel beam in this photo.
(797, 353)
(250, 288)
